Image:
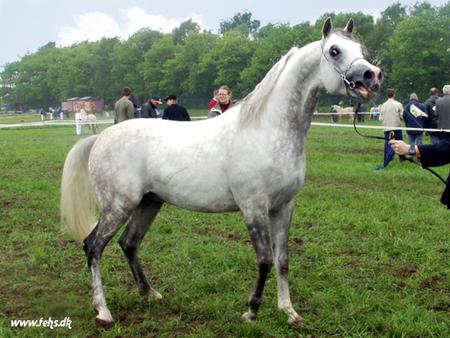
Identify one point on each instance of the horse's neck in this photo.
(297, 91)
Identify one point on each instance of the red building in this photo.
(88, 103)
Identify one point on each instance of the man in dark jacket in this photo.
(149, 108)
(443, 111)
(430, 155)
(174, 111)
(432, 120)
(413, 121)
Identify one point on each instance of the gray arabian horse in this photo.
(251, 159)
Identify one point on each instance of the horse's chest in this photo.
(287, 188)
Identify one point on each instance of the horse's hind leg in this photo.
(93, 246)
(280, 224)
(131, 238)
(258, 227)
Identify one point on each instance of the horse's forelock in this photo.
(346, 35)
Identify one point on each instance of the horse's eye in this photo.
(334, 51)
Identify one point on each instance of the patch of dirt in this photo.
(235, 236)
(407, 271)
(352, 265)
(434, 283)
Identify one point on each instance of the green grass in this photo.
(369, 252)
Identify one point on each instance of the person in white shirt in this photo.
(391, 115)
(78, 125)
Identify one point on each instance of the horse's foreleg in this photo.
(281, 222)
(132, 237)
(93, 246)
(258, 228)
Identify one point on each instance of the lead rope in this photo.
(391, 137)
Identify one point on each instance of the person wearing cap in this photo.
(149, 107)
(124, 108)
(174, 111)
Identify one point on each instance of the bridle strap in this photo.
(350, 85)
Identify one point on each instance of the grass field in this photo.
(369, 253)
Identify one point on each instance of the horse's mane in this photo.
(252, 104)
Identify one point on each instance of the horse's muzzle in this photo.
(367, 80)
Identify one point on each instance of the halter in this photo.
(349, 85)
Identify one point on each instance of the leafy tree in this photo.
(8, 83)
(152, 67)
(224, 62)
(273, 42)
(419, 53)
(178, 72)
(384, 28)
(241, 21)
(186, 28)
(127, 58)
(422, 8)
(102, 62)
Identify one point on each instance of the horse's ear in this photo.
(327, 26)
(349, 26)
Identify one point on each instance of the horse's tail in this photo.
(78, 201)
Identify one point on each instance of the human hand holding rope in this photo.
(402, 148)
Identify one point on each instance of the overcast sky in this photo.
(26, 25)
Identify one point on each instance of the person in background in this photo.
(412, 121)
(361, 111)
(124, 108)
(149, 108)
(137, 109)
(432, 120)
(61, 113)
(78, 121)
(223, 103)
(174, 111)
(430, 155)
(443, 111)
(335, 117)
(391, 115)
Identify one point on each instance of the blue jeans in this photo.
(415, 139)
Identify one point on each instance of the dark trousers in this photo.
(389, 153)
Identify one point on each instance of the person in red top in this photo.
(223, 102)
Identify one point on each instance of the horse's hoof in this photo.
(249, 317)
(103, 321)
(155, 294)
(296, 320)
(151, 294)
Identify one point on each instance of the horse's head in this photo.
(343, 65)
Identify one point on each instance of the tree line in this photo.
(411, 44)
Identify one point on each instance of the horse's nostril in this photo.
(368, 75)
